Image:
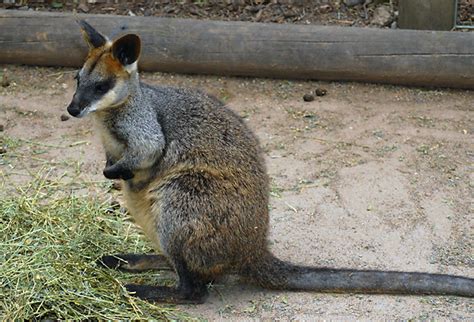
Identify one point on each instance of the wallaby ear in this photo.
(92, 37)
(127, 49)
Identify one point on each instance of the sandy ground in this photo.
(367, 176)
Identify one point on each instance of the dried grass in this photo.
(50, 239)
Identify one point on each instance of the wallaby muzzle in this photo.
(75, 108)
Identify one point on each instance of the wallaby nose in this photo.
(73, 109)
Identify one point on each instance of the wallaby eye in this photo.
(101, 88)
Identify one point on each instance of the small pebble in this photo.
(320, 92)
(351, 3)
(83, 7)
(64, 117)
(3, 150)
(308, 97)
(325, 8)
(5, 81)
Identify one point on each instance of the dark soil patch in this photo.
(325, 12)
(319, 12)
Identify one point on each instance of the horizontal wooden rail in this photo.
(408, 57)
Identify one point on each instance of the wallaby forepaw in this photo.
(117, 173)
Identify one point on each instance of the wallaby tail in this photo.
(276, 274)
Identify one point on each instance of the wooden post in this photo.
(427, 14)
(408, 57)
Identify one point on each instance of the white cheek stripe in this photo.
(81, 72)
(131, 67)
(107, 100)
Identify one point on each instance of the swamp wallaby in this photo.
(196, 183)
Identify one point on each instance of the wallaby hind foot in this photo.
(135, 262)
(165, 294)
(191, 289)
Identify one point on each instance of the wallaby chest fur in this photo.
(111, 144)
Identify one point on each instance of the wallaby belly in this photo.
(144, 209)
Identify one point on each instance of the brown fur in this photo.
(103, 61)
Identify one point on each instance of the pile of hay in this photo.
(50, 239)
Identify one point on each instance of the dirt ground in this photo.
(367, 176)
(325, 12)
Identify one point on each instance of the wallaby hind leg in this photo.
(191, 289)
(135, 262)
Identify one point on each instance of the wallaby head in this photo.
(109, 75)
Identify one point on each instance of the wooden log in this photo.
(407, 57)
(426, 14)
